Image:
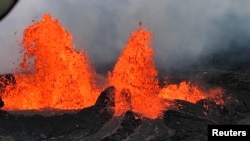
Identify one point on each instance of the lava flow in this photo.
(56, 76)
(188, 92)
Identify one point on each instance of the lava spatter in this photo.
(56, 75)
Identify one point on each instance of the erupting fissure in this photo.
(55, 75)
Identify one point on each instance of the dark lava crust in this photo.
(183, 122)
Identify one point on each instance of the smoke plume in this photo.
(184, 31)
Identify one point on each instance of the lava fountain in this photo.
(135, 76)
(55, 75)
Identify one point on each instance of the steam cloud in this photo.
(183, 30)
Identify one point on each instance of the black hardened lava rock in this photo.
(64, 127)
(128, 125)
(106, 98)
(1, 102)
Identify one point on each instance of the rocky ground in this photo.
(183, 122)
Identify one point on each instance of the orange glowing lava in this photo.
(135, 78)
(135, 72)
(58, 76)
(55, 75)
(186, 91)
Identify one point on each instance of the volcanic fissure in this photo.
(54, 75)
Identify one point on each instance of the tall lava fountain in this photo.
(135, 76)
(56, 76)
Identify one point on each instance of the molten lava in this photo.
(135, 78)
(55, 75)
(186, 91)
(135, 73)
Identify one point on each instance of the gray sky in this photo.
(183, 29)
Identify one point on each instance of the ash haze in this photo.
(184, 30)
